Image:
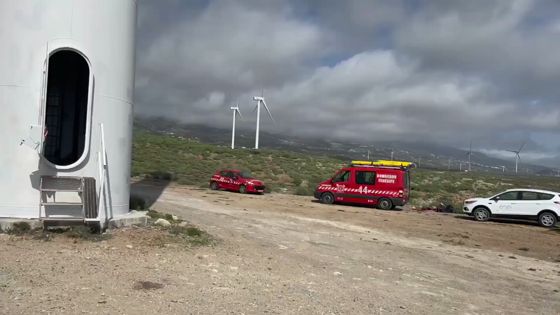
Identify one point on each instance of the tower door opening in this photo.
(66, 108)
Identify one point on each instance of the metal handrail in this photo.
(102, 163)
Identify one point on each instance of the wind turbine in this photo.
(260, 101)
(517, 157)
(235, 110)
(469, 154)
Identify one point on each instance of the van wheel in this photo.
(327, 198)
(243, 189)
(481, 214)
(214, 186)
(384, 204)
(547, 219)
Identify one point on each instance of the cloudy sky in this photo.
(438, 71)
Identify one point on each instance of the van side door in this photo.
(365, 186)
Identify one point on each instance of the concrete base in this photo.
(7, 224)
(132, 218)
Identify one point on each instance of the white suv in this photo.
(542, 205)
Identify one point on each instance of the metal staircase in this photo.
(77, 201)
(74, 199)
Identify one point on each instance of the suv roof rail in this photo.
(384, 164)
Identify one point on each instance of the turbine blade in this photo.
(239, 113)
(268, 111)
(521, 147)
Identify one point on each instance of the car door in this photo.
(341, 182)
(503, 204)
(529, 204)
(228, 180)
(235, 181)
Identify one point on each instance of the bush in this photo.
(19, 228)
(304, 191)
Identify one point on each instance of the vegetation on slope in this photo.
(189, 162)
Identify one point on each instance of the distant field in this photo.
(190, 162)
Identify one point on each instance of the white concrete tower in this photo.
(66, 75)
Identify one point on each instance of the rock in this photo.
(184, 224)
(129, 246)
(174, 217)
(336, 273)
(162, 222)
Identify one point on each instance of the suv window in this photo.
(529, 195)
(510, 195)
(543, 196)
(341, 177)
(224, 173)
(365, 177)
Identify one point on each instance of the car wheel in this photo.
(327, 198)
(481, 214)
(384, 204)
(214, 186)
(547, 219)
(243, 189)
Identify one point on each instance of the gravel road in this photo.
(285, 254)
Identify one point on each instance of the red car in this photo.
(235, 180)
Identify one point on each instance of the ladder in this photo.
(80, 209)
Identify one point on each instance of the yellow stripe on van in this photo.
(384, 163)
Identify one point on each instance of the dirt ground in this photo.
(285, 254)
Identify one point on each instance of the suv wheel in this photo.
(481, 214)
(384, 204)
(242, 189)
(214, 186)
(327, 198)
(547, 219)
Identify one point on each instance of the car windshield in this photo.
(245, 174)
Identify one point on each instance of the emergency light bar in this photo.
(385, 163)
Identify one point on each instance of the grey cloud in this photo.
(444, 71)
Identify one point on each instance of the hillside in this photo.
(188, 161)
(428, 155)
